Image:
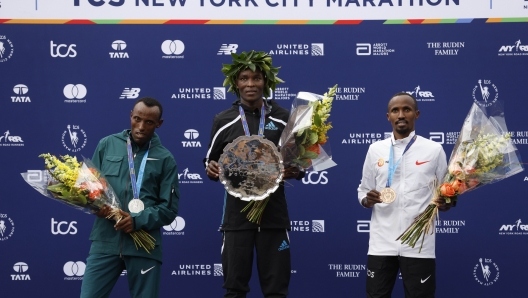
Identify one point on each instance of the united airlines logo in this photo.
(421, 95)
(218, 270)
(317, 49)
(227, 49)
(485, 93)
(172, 49)
(193, 269)
(191, 135)
(119, 47)
(6, 48)
(314, 49)
(20, 91)
(219, 93)
(10, 140)
(75, 93)
(175, 228)
(316, 226)
(74, 270)
(216, 93)
(74, 138)
(130, 93)
(516, 49)
(20, 268)
(7, 227)
(486, 272)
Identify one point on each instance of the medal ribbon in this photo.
(262, 120)
(392, 166)
(136, 184)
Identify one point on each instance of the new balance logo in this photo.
(130, 93)
(226, 49)
(284, 245)
(271, 126)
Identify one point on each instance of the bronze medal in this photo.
(388, 195)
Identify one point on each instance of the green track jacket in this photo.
(159, 192)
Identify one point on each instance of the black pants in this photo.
(419, 278)
(273, 261)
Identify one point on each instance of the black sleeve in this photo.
(214, 150)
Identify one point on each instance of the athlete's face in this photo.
(144, 121)
(401, 114)
(250, 85)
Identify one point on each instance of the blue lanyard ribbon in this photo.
(392, 165)
(262, 120)
(136, 184)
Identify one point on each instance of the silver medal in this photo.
(136, 206)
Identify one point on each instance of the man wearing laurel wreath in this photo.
(397, 184)
(148, 202)
(251, 77)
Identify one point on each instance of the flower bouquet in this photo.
(483, 154)
(304, 139)
(81, 186)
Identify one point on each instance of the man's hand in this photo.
(104, 211)
(290, 172)
(125, 224)
(442, 205)
(213, 170)
(373, 198)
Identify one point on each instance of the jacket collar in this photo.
(155, 141)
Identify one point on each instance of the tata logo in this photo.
(20, 89)
(119, 46)
(315, 178)
(56, 227)
(20, 267)
(62, 50)
(191, 135)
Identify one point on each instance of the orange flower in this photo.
(447, 190)
(94, 194)
(473, 182)
(459, 186)
(314, 148)
(454, 169)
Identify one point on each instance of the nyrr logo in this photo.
(315, 178)
(517, 49)
(191, 135)
(20, 89)
(317, 49)
(227, 49)
(172, 49)
(56, 227)
(119, 46)
(486, 272)
(516, 229)
(20, 267)
(189, 178)
(6, 48)
(421, 95)
(130, 93)
(219, 93)
(363, 226)
(218, 270)
(75, 93)
(74, 270)
(8, 140)
(77, 138)
(7, 227)
(488, 94)
(175, 228)
(183, 269)
(57, 50)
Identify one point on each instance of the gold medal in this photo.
(388, 195)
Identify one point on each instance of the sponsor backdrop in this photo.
(66, 86)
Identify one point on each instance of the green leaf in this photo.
(312, 138)
(302, 150)
(317, 119)
(309, 155)
(252, 67)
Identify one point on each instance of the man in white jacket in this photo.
(396, 184)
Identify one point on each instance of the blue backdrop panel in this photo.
(45, 244)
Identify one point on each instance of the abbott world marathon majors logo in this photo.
(421, 95)
(292, 49)
(20, 269)
(119, 47)
(172, 49)
(373, 49)
(282, 93)
(517, 228)
(191, 135)
(74, 270)
(6, 48)
(216, 93)
(448, 138)
(7, 227)
(485, 93)
(348, 270)
(175, 228)
(360, 138)
(486, 272)
(9, 140)
(75, 93)
(349, 93)
(316, 226)
(516, 49)
(74, 138)
(20, 91)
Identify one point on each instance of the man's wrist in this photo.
(364, 203)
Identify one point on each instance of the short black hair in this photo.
(410, 95)
(150, 102)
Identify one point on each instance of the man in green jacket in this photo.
(148, 203)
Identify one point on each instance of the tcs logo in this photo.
(55, 50)
(315, 178)
(56, 227)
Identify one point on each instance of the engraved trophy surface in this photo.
(250, 168)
